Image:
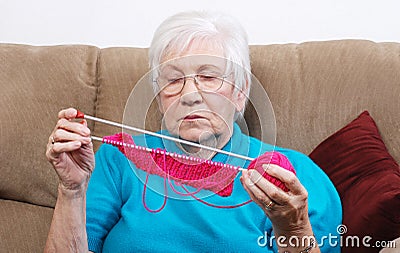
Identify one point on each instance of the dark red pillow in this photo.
(367, 179)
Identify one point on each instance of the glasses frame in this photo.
(196, 82)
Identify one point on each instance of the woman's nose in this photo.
(190, 94)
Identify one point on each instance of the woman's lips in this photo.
(193, 117)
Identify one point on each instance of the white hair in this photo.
(179, 31)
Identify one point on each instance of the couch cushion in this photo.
(393, 247)
(36, 82)
(367, 179)
(317, 87)
(314, 87)
(24, 227)
(119, 69)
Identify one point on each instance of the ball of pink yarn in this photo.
(272, 158)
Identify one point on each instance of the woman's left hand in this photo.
(288, 211)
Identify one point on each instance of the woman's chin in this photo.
(195, 130)
(196, 136)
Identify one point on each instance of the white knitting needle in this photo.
(113, 142)
(108, 122)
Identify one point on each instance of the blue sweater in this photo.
(118, 222)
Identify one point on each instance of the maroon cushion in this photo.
(367, 179)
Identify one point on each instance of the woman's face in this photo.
(192, 114)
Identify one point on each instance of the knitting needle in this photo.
(164, 151)
(108, 122)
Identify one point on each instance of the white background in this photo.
(132, 23)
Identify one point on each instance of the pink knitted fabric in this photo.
(216, 177)
(273, 158)
(213, 176)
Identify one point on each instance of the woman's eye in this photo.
(175, 80)
(206, 77)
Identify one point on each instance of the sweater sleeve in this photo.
(103, 204)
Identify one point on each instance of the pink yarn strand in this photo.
(144, 197)
(218, 206)
(198, 173)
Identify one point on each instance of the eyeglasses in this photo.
(206, 83)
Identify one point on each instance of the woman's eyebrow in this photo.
(170, 67)
(209, 67)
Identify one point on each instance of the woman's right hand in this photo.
(70, 151)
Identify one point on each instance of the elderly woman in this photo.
(200, 100)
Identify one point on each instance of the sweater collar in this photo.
(238, 143)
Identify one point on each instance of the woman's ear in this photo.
(241, 97)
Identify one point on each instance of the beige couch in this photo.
(315, 89)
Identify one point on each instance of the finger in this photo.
(273, 192)
(54, 150)
(251, 194)
(75, 127)
(60, 147)
(287, 177)
(69, 113)
(257, 194)
(84, 122)
(61, 135)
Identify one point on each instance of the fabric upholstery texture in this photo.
(315, 89)
(367, 179)
(119, 69)
(24, 227)
(36, 82)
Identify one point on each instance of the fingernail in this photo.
(253, 177)
(249, 182)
